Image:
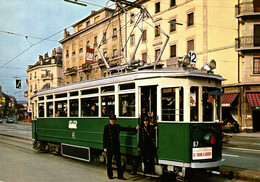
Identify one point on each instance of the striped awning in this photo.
(228, 98)
(253, 99)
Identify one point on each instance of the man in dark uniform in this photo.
(112, 145)
(147, 145)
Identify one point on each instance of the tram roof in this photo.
(132, 76)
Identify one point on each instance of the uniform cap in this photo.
(145, 118)
(112, 117)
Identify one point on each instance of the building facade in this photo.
(45, 73)
(81, 59)
(246, 105)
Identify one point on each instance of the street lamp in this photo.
(77, 2)
(174, 22)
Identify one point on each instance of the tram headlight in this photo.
(210, 138)
(209, 66)
(186, 61)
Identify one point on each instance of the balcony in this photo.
(47, 76)
(249, 8)
(247, 43)
(86, 67)
(71, 71)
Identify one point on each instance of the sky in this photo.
(24, 26)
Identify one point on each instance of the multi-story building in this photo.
(81, 59)
(45, 73)
(246, 106)
(209, 28)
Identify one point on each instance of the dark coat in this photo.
(111, 136)
(147, 137)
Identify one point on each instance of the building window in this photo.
(114, 52)
(256, 66)
(190, 19)
(80, 46)
(88, 44)
(96, 19)
(95, 41)
(157, 7)
(132, 39)
(172, 3)
(144, 36)
(73, 49)
(30, 76)
(114, 32)
(157, 31)
(88, 23)
(35, 74)
(190, 45)
(173, 26)
(80, 27)
(144, 57)
(173, 51)
(257, 35)
(67, 51)
(157, 52)
(132, 20)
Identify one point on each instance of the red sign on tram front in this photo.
(89, 55)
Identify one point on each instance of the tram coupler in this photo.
(223, 173)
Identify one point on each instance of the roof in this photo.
(132, 76)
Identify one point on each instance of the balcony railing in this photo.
(247, 9)
(248, 43)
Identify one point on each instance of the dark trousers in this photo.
(118, 163)
(148, 155)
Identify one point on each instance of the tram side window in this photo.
(74, 108)
(210, 96)
(108, 105)
(89, 106)
(41, 109)
(49, 109)
(172, 110)
(194, 104)
(61, 108)
(127, 105)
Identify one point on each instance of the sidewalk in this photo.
(243, 174)
(244, 134)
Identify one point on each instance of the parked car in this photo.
(10, 120)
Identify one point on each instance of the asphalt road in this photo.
(18, 156)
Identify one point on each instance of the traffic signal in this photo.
(18, 84)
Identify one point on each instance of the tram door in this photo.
(149, 100)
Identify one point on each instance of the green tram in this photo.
(187, 103)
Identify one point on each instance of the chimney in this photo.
(46, 55)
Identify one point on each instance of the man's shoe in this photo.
(110, 177)
(123, 178)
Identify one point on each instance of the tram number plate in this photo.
(202, 153)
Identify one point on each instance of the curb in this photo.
(16, 136)
(243, 174)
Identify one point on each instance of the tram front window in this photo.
(172, 110)
(89, 106)
(61, 109)
(127, 105)
(211, 104)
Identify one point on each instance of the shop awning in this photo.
(228, 98)
(253, 99)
